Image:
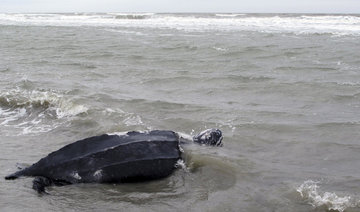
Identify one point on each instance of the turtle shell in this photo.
(134, 156)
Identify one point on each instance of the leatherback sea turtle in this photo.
(114, 158)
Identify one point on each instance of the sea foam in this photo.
(298, 24)
(35, 111)
(309, 191)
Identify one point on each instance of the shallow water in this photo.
(284, 89)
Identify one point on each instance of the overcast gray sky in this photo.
(242, 6)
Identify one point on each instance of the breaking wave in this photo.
(135, 16)
(36, 110)
(309, 191)
(229, 15)
(298, 24)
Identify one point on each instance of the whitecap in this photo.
(35, 111)
(67, 108)
(229, 15)
(339, 25)
(309, 191)
(133, 120)
(219, 49)
(181, 164)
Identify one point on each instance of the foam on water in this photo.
(133, 120)
(132, 15)
(309, 191)
(227, 15)
(181, 164)
(305, 24)
(36, 111)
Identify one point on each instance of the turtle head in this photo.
(212, 137)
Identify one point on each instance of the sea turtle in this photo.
(114, 158)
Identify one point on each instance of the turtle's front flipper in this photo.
(17, 174)
(39, 184)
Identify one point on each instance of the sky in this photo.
(229, 6)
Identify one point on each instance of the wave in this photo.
(45, 100)
(347, 123)
(127, 118)
(348, 83)
(309, 191)
(229, 15)
(135, 16)
(36, 111)
(298, 24)
(347, 97)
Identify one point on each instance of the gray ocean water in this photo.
(283, 88)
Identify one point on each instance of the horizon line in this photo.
(73, 12)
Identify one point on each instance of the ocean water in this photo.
(283, 88)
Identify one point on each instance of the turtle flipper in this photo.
(15, 175)
(39, 184)
(21, 172)
(11, 177)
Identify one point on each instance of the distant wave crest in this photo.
(229, 15)
(299, 24)
(136, 16)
